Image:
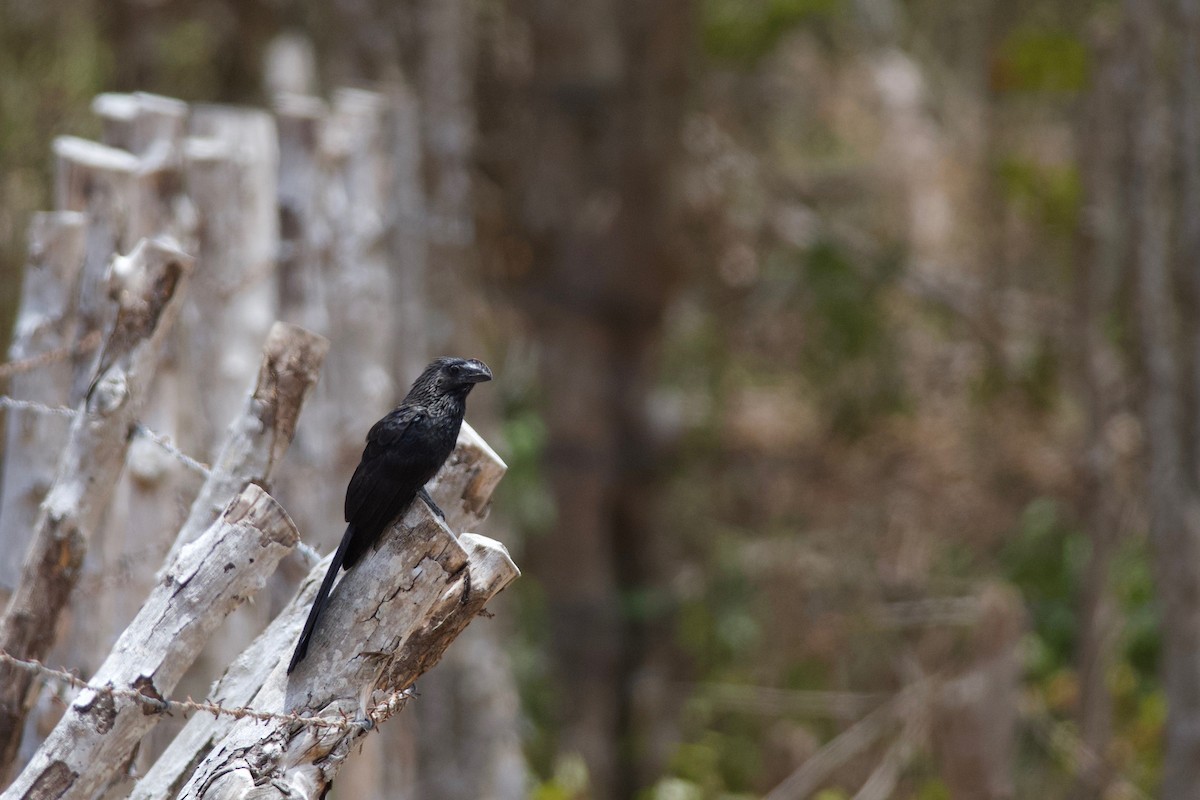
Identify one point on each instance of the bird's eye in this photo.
(455, 370)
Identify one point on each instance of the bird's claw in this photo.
(432, 505)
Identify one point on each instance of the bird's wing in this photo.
(381, 482)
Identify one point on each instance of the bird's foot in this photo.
(432, 505)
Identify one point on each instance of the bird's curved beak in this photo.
(477, 372)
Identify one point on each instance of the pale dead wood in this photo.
(409, 246)
(914, 734)
(255, 443)
(348, 675)
(846, 745)
(236, 689)
(258, 437)
(205, 581)
(463, 489)
(335, 199)
(33, 441)
(145, 509)
(144, 124)
(97, 180)
(148, 285)
(231, 164)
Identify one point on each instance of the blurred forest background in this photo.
(848, 370)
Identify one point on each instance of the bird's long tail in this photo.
(319, 603)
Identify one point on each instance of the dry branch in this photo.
(148, 286)
(258, 438)
(236, 689)
(463, 489)
(348, 675)
(203, 584)
(98, 180)
(231, 167)
(33, 441)
(147, 125)
(846, 745)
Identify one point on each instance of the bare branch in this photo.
(258, 438)
(33, 441)
(463, 489)
(846, 745)
(148, 286)
(349, 675)
(203, 584)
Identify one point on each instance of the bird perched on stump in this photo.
(404, 451)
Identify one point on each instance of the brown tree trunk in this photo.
(1103, 247)
(589, 107)
(1174, 533)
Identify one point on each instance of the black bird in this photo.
(404, 451)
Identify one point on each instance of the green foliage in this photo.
(569, 782)
(1049, 194)
(718, 627)
(933, 789)
(1133, 583)
(524, 492)
(719, 762)
(849, 351)
(186, 52)
(1037, 60)
(745, 30)
(832, 794)
(1045, 560)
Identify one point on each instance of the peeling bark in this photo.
(33, 442)
(463, 489)
(148, 285)
(204, 582)
(258, 438)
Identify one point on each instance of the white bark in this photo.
(258, 438)
(148, 285)
(231, 164)
(348, 674)
(463, 489)
(409, 240)
(334, 195)
(231, 169)
(236, 689)
(358, 277)
(206, 580)
(145, 509)
(290, 65)
(33, 441)
(98, 180)
(147, 125)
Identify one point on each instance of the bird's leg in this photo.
(424, 495)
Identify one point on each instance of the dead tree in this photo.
(463, 489)
(44, 325)
(148, 285)
(150, 177)
(205, 581)
(258, 438)
(146, 505)
(362, 666)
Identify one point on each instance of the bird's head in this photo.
(448, 375)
